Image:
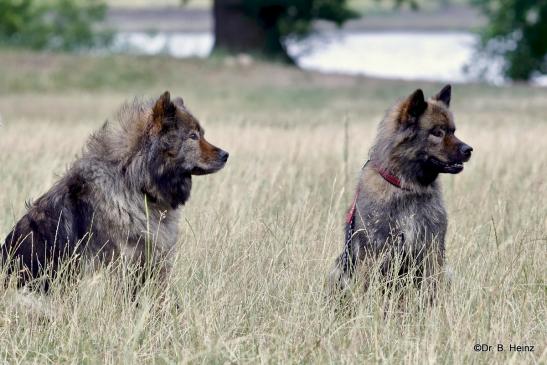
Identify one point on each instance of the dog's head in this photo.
(173, 149)
(181, 140)
(430, 139)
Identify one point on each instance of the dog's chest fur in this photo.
(123, 222)
(410, 222)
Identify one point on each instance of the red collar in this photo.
(388, 176)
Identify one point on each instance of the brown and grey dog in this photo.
(398, 209)
(122, 197)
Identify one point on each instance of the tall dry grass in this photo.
(259, 238)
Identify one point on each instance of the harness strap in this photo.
(347, 259)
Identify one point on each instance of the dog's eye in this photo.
(437, 133)
(194, 136)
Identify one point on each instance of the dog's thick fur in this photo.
(121, 197)
(415, 143)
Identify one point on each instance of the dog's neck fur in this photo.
(177, 195)
(413, 176)
(117, 144)
(414, 172)
(409, 170)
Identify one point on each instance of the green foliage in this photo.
(57, 24)
(517, 31)
(294, 18)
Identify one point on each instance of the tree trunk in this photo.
(236, 31)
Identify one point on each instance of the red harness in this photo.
(347, 258)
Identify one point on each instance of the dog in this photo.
(121, 198)
(398, 215)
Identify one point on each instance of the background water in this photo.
(444, 56)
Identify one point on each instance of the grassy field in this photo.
(259, 238)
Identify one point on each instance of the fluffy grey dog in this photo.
(122, 197)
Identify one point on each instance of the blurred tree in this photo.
(259, 26)
(56, 24)
(516, 30)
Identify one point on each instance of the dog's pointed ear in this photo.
(179, 102)
(414, 106)
(444, 95)
(163, 111)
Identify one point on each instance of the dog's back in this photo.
(49, 230)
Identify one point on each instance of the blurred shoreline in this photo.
(183, 19)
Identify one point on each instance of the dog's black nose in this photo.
(224, 156)
(466, 150)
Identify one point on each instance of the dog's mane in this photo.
(383, 144)
(117, 141)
